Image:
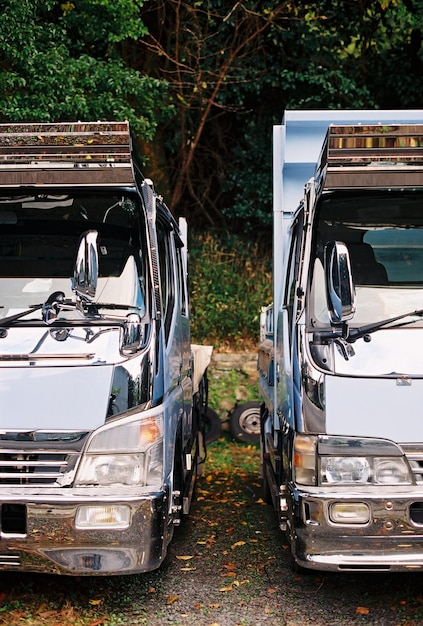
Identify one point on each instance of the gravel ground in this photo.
(227, 566)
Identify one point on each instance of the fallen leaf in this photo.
(95, 602)
(184, 558)
(237, 544)
(188, 569)
(151, 590)
(361, 610)
(271, 590)
(171, 598)
(216, 605)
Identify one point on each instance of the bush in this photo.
(230, 280)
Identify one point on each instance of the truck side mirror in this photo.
(85, 274)
(132, 334)
(340, 292)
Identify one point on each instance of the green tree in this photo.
(354, 54)
(233, 67)
(328, 54)
(64, 61)
(207, 50)
(203, 82)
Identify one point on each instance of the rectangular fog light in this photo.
(105, 516)
(349, 513)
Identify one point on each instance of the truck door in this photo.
(186, 359)
(175, 326)
(288, 388)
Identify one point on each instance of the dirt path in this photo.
(227, 566)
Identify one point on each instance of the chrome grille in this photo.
(35, 467)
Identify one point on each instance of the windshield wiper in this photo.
(350, 335)
(357, 333)
(8, 321)
(57, 302)
(111, 305)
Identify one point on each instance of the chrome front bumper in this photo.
(52, 544)
(390, 541)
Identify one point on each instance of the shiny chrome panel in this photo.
(52, 544)
(391, 541)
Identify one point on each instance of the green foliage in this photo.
(354, 55)
(235, 67)
(248, 184)
(106, 22)
(230, 280)
(59, 62)
(227, 388)
(211, 76)
(210, 51)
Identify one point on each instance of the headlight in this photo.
(354, 461)
(364, 470)
(126, 452)
(348, 461)
(345, 469)
(390, 472)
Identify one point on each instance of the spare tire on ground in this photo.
(245, 422)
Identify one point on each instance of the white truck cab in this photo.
(101, 392)
(341, 374)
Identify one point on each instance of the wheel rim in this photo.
(250, 421)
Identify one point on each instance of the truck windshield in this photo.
(383, 231)
(39, 236)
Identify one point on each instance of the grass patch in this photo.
(228, 456)
(227, 388)
(230, 280)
